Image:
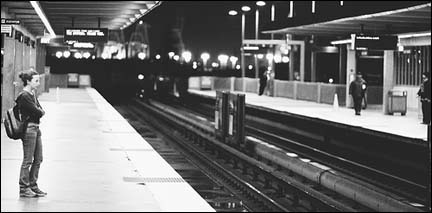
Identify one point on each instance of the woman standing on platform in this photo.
(32, 111)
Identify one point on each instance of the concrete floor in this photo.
(93, 161)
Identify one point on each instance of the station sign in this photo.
(83, 45)
(6, 29)
(10, 21)
(374, 42)
(97, 35)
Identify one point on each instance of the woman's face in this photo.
(34, 83)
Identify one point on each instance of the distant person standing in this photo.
(357, 91)
(32, 111)
(263, 82)
(425, 98)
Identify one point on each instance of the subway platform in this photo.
(372, 118)
(93, 160)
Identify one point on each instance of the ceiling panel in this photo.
(112, 14)
(412, 19)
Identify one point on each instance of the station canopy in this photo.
(112, 15)
(406, 20)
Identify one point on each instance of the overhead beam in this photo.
(21, 11)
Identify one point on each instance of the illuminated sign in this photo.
(10, 21)
(86, 35)
(374, 42)
(45, 40)
(85, 45)
(6, 29)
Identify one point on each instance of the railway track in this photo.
(348, 162)
(208, 187)
(269, 173)
(260, 186)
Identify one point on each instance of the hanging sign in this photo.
(10, 21)
(86, 35)
(375, 42)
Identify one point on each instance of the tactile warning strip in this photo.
(154, 180)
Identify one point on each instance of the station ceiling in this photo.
(60, 14)
(411, 19)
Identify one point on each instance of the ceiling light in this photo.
(143, 11)
(246, 8)
(260, 3)
(232, 12)
(42, 16)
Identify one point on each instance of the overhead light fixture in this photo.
(42, 16)
(313, 6)
(132, 19)
(251, 48)
(245, 8)
(260, 3)
(137, 15)
(143, 11)
(232, 13)
(346, 41)
(411, 35)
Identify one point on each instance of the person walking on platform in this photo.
(357, 91)
(263, 82)
(31, 111)
(425, 98)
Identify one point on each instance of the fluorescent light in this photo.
(346, 41)
(313, 6)
(143, 11)
(291, 10)
(414, 35)
(42, 16)
(251, 48)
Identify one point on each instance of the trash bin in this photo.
(84, 81)
(397, 102)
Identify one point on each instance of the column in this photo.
(8, 71)
(350, 73)
(388, 78)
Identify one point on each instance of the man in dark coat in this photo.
(425, 98)
(357, 90)
(263, 82)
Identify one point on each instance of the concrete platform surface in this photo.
(93, 161)
(374, 119)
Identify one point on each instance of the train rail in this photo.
(345, 159)
(273, 172)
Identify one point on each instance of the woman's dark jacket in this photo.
(30, 107)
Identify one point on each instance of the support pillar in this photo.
(388, 78)
(350, 73)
